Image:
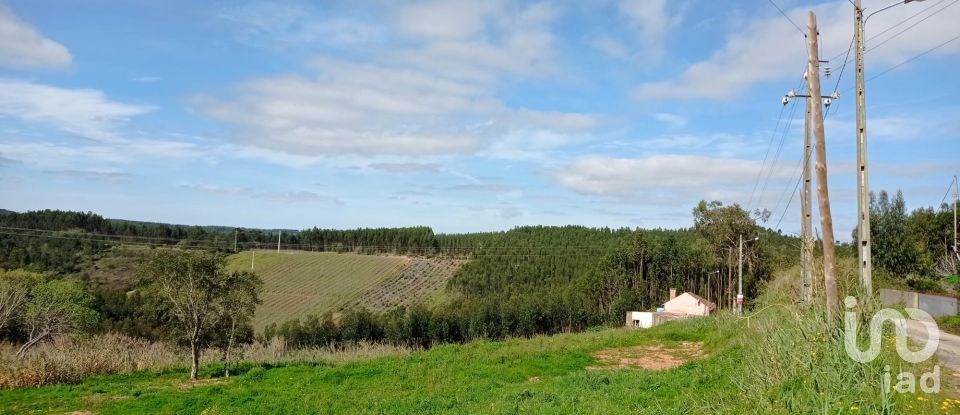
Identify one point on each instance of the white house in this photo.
(689, 304)
(678, 306)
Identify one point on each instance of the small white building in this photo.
(678, 306)
(640, 319)
(689, 304)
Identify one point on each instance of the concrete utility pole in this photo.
(806, 219)
(823, 196)
(278, 241)
(863, 184)
(956, 196)
(236, 232)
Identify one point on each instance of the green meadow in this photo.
(540, 375)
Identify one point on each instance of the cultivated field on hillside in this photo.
(422, 279)
(297, 284)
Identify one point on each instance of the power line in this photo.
(878, 34)
(910, 27)
(840, 76)
(905, 20)
(783, 136)
(763, 165)
(788, 18)
(796, 170)
(949, 188)
(913, 58)
(786, 208)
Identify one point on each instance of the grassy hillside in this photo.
(555, 374)
(731, 373)
(302, 283)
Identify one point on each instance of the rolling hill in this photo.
(297, 284)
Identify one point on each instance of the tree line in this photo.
(914, 247)
(542, 280)
(62, 242)
(188, 294)
(526, 281)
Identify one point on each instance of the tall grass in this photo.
(72, 359)
(795, 360)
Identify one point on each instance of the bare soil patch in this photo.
(651, 357)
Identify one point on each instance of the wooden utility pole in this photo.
(806, 219)
(863, 185)
(823, 195)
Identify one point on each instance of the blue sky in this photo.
(460, 115)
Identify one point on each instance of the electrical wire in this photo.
(905, 20)
(909, 27)
(773, 135)
(788, 18)
(915, 57)
(783, 136)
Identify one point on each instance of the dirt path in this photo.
(650, 357)
(948, 354)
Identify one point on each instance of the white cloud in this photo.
(504, 212)
(442, 19)
(296, 196)
(651, 19)
(769, 49)
(6, 161)
(146, 78)
(610, 46)
(679, 175)
(517, 41)
(402, 104)
(215, 189)
(406, 167)
(57, 156)
(485, 187)
(286, 24)
(85, 112)
(95, 175)
(673, 120)
(903, 123)
(23, 47)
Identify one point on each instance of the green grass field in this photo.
(297, 284)
(540, 375)
(543, 375)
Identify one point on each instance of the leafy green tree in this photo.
(14, 293)
(57, 307)
(191, 284)
(238, 305)
(894, 248)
